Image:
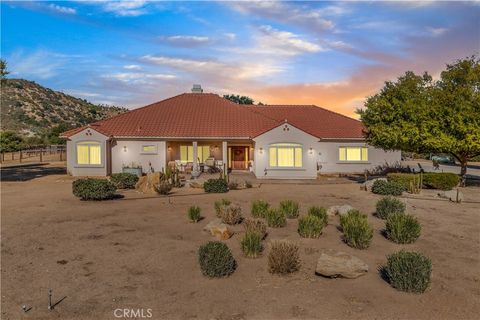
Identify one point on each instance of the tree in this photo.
(52, 136)
(10, 141)
(417, 114)
(238, 99)
(3, 69)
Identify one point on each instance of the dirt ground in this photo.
(141, 253)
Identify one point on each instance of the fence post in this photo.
(60, 155)
(41, 154)
(13, 155)
(20, 156)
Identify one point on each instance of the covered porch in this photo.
(210, 155)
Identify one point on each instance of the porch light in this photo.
(169, 148)
(260, 150)
(124, 148)
(310, 150)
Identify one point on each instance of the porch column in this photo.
(225, 155)
(195, 155)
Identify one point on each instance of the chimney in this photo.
(197, 88)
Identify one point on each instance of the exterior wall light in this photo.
(260, 150)
(169, 148)
(124, 148)
(310, 150)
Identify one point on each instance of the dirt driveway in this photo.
(142, 254)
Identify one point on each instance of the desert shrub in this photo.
(248, 184)
(408, 271)
(319, 212)
(231, 214)
(252, 244)
(220, 206)
(93, 189)
(275, 218)
(389, 205)
(163, 187)
(387, 188)
(215, 186)
(357, 232)
(310, 226)
(403, 179)
(256, 225)
(259, 208)
(216, 259)
(194, 214)
(283, 257)
(290, 208)
(402, 228)
(441, 180)
(233, 185)
(124, 180)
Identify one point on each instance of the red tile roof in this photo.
(207, 115)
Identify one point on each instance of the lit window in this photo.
(353, 154)
(152, 149)
(89, 153)
(285, 155)
(186, 153)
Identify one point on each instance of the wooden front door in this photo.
(239, 160)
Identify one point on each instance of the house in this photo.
(196, 131)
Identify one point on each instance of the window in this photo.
(286, 155)
(89, 153)
(353, 154)
(186, 153)
(149, 149)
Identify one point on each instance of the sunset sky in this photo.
(331, 54)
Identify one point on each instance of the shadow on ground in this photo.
(29, 172)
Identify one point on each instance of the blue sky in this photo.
(332, 54)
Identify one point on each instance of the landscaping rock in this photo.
(195, 184)
(369, 183)
(452, 195)
(146, 184)
(335, 264)
(340, 210)
(332, 211)
(218, 229)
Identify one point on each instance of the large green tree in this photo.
(238, 99)
(10, 141)
(417, 114)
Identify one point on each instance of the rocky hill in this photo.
(30, 109)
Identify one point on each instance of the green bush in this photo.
(357, 232)
(441, 180)
(255, 225)
(290, 208)
(124, 180)
(93, 189)
(389, 205)
(163, 187)
(216, 259)
(231, 214)
(220, 206)
(259, 208)
(275, 218)
(310, 226)
(433, 180)
(387, 188)
(408, 271)
(283, 257)
(194, 214)
(252, 244)
(215, 186)
(402, 228)
(319, 212)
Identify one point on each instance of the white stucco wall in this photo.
(86, 170)
(285, 134)
(133, 153)
(328, 158)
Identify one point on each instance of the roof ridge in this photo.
(307, 105)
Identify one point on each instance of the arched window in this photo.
(285, 155)
(89, 153)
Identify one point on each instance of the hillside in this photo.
(30, 109)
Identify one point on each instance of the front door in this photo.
(239, 158)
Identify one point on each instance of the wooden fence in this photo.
(35, 154)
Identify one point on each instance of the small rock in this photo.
(369, 183)
(335, 264)
(195, 184)
(332, 211)
(343, 210)
(218, 229)
(452, 195)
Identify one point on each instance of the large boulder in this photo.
(340, 210)
(452, 195)
(335, 264)
(147, 183)
(218, 229)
